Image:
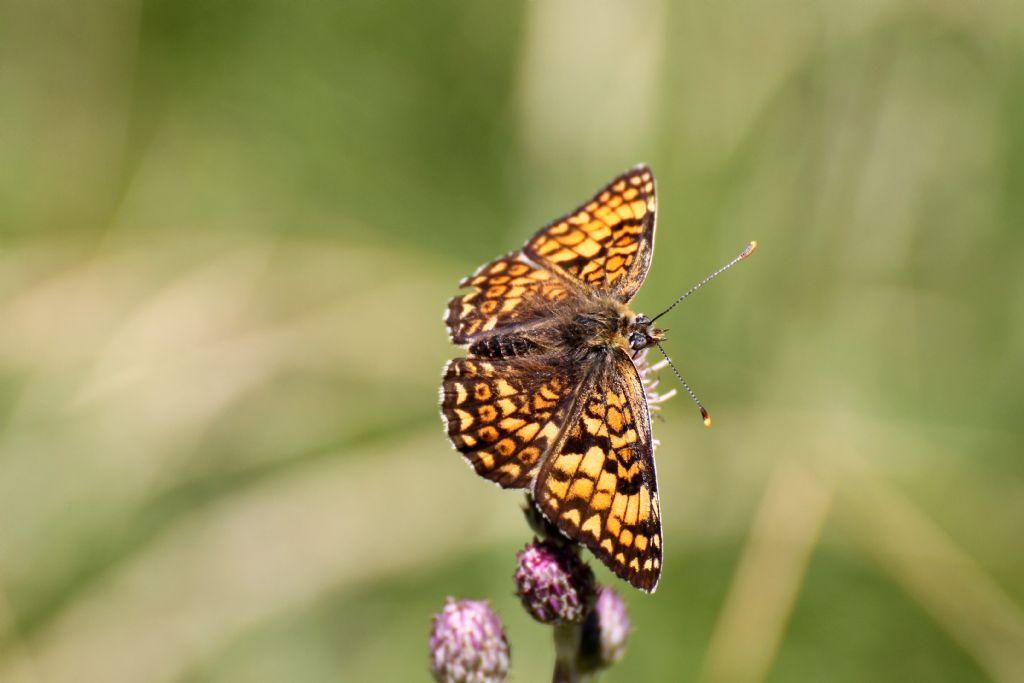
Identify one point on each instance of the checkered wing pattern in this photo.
(504, 417)
(600, 487)
(607, 243)
(507, 293)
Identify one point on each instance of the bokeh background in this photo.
(228, 231)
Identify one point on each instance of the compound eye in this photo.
(637, 340)
(641, 320)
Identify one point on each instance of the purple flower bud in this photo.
(468, 644)
(605, 631)
(555, 586)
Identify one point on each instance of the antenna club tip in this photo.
(707, 417)
(750, 249)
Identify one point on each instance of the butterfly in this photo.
(552, 396)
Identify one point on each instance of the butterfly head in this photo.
(641, 333)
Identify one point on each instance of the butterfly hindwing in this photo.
(606, 243)
(600, 487)
(503, 417)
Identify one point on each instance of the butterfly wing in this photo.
(599, 486)
(607, 243)
(504, 415)
(507, 292)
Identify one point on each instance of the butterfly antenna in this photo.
(747, 251)
(703, 411)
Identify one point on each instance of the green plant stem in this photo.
(567, 649)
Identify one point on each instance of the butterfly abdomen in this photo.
(503, 346)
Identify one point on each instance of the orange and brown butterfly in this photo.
(550, 397)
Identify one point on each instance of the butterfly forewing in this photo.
(600, 488)
(507, 292)
(606, 243)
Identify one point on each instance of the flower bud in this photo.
(605, 631)
(467, 644)
(555, 586)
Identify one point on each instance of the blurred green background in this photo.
(227, 234)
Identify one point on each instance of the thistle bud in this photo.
(605, 632)
(467, 644)
(555, 586)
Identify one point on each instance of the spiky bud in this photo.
(468, 644)
(555, 586)
(605, 631)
